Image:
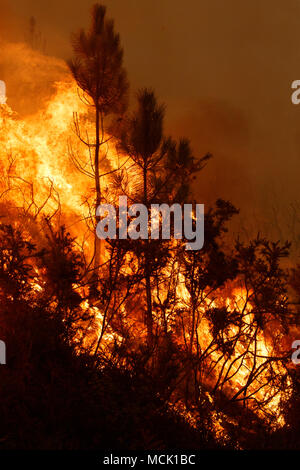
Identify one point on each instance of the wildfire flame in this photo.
(39, 176)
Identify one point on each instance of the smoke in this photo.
(30, 77)
(29, 74)
(8, 21)
(222, 130)
(224, 70)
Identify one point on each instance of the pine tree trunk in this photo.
(97, 241)
(149, 318)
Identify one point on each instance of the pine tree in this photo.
(98, 69)
(164, 173)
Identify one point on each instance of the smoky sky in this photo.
(224, 71)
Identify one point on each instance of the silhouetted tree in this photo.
(34, 37)
(98, 70)
(157, 160)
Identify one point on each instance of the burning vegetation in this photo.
(127, 343)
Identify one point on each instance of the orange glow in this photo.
(37, 174)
